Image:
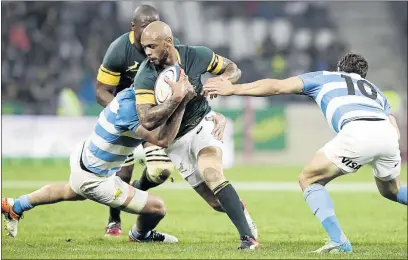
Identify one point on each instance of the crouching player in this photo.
(95, 162)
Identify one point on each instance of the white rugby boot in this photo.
(334, 248)
(10, 217)
(251, 223)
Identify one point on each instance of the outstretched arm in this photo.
(260, 88)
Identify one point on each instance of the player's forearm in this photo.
(152, 117)
(168, 131)
(259, 88)
(231, 72)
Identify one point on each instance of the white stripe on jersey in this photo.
(111, 148)
(114, 106)
(111, 128)
(356, 76)
(328, 87)
(359, 114)
(99, 163)
(348, 100)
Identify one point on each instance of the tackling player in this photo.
(196, 152)
(118, 69)
(367, 134)
(93, 165)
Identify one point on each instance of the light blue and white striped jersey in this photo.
(344, 97)
(113, 138)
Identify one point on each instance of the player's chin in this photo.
(154, 61)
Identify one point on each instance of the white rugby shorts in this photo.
(183, 151)
(107, 190)
(366, 142)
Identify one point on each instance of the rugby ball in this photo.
(162, 90)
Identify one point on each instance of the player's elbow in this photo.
(239, 73)
(101, 92)
(149, 125)
(99, 98)
(234, 71)
(164, 143)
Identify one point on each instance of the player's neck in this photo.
(172, 59)
(138, 46)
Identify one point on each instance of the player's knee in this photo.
(213, 177)
(303, 181)
(159, 172)
(125, 173)
(69, 194)
(135, 203)
(389, 194)
(157, 208)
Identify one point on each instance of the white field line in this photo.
(244, 186)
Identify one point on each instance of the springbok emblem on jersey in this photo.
(134, 67)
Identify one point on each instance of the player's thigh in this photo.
(320, 169)
(77, 175)
(179, 151)
(115, 193)
(158, 163)
(210, 166)
(208, 151)
(386, 171)
(387, 165)
(71, 195)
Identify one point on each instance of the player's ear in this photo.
(168, 41)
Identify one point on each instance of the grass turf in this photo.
(376, 227)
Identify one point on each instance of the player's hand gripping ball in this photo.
(162, 90)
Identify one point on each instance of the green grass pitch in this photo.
(376, 227)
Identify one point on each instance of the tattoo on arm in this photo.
(152, 116)
(229, 70)
(168, 131)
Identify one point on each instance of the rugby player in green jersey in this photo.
(118, 69)
(196, 152)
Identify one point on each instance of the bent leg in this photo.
(319, 171)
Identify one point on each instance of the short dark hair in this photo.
(144, 10)
(353, 63)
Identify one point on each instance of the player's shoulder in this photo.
(115, 55)
(146, 76)
(146, 70)
(121, 41)
(126, 95)
(321, 77)
(126, 100)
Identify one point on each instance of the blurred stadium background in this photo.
(51, 52)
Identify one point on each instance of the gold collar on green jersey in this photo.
(132, 37)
